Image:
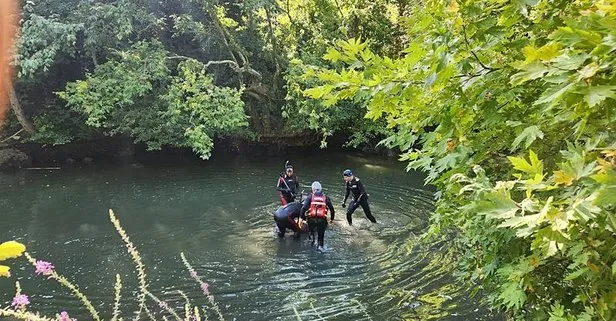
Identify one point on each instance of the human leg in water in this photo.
(281, 230)
(364, 205)
(321, 227)
(312, 228)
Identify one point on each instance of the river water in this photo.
(219, 214)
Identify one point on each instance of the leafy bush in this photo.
(480, 82)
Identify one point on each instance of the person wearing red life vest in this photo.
(315, 209)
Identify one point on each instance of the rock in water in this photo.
(11, 158)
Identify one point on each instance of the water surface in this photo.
(219, 213)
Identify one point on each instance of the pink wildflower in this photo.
(163, 305)
(211, 298)
(205, 288)
(20, 302)
(193, 274)
(44, 268)
(63, 316)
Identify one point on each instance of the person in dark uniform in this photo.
(288, 185)
(360, 197)
(317, 206)
(288, 217)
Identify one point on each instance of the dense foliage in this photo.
(510, 108)
(124, 67)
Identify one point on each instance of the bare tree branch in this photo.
(11, 137)
(468, 47)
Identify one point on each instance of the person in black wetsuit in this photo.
(360, 197)
(288, 185)
(286, 216)
(317, 205)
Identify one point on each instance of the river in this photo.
(219, 213)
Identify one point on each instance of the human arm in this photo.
(348, 190)
(362, 190)
(330, 206)
(283, 186)
(305, 207)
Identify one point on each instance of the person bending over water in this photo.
(288, 217)
(360, 197)
(317, 206)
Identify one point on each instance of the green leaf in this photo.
(520, 164)
(529, 72)
(576, 274)
(596, 94)
(512, 295)
(497, 205)
(529, 134)
(606, 196)
(332, 55)
(545, 53)
(607, 177)
(314, 93)
(535, 167)
(570, 62)
(553, 95)
(423, 162)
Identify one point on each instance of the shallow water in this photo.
(219, 213)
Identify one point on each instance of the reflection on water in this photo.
(219, 213)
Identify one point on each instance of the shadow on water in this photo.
(219, 213)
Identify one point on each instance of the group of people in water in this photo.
(311, 213)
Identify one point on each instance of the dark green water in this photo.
(219, 213)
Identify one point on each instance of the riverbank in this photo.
(124, 151)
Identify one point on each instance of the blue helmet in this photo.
(347, 172)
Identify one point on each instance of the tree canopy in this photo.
(509, 107)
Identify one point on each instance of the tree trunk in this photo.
(19, 113)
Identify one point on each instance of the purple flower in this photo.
(20, 302)
(44, 268)
(63, 316)
(205, 288)
(193, 274)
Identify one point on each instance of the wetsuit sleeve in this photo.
(305, 207)
(330, 206)
(348, 190)
(280, 186)
(361, 188)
